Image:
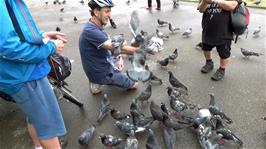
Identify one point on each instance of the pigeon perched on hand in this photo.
(257, 32)
(104, 108)
(162, 23)
(163, 62)
(154, 45)
(187, 33)
(247, 53)
(172, 28)
(86, 136)
(117, 42)
(174, 55)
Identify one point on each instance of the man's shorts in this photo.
(37, 99)
(223, 49)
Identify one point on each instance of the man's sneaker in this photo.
(218, 75)
(95, 88)
(113, 23)
(207, 67)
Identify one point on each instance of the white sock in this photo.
(38, 147)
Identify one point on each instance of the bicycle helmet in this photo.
(100, 3)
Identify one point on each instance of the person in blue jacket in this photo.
(23, 61)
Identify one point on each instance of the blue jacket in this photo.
(19, 59)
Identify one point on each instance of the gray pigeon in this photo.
(248, 53)
(163, 62)
(215, 110)
(131, 143)
(177, 105)
(117, 42)
(229, 135)
(168, 122)
(128, 2)
(110, 141)
(104, 108)
(117, 115)
(138, 72)
(153, 77)
(172, 28)
(164, 108)
(75, 19)
(58, 29)
(161, 35)
(126, 127)
(187, 33)
(169, 137)
(175, 83)
(162, 23)
(174, 55)
(152, 142)
(145, 95)
(256, 32)
(257, 2)
(86, 136)
(156, 111)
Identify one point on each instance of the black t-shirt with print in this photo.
(216, 25)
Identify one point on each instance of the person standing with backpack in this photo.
(216, 32)
(23, 61)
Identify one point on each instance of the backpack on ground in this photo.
(240, 19)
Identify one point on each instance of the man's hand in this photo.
(54, 36)
(59, 45)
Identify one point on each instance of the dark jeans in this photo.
(157, 1)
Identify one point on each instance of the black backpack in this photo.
(240, 19)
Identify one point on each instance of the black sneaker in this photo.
(113, 23)
(207, 67)
(218, 75)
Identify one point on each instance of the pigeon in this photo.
(187, 33)
(169, 137)
(117, 115)
(104, 108)
(229, 135)
(177, 105)
(257, 2)
(163, 62)
(172, 28)
(86, 136)
(161, 35)
(117, 42)
(214, 109)
(256, 32)
(138, 72)
(131, 143)
(174, 55)
(152, 142)
(128, 2)
(156, 111)
(135, 107)
(162, 23)
(110, 141)
(145, 95)
(62, 10)
(154, 45)
(175, 3)
(126, 127)
(164, 108)
(75, 19)
(247, 53)
(168, 122)
(141, 121)
(153, 77)
(58, 29)
(199, 46)
(175, 83)
(82, 2)
(63, 2)
(46, 3)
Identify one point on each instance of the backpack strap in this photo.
(14, 21)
